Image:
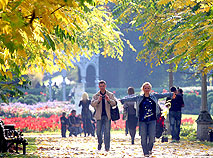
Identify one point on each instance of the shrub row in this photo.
(192, 99)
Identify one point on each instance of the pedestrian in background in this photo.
(64, 123)
(73, 124)
(130, 110)
(86, 114)
(175, 115)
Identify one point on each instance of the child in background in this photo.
(64, 124)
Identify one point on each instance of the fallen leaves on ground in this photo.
(120, 147)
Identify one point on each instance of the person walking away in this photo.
(147, 109)
(130, 108)
(85, 113)
(102, 102)
(64, 123)
(175, 115)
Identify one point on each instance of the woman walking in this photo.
(147, 109)
(130, 110)
(86, 114)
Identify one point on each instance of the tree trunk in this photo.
(204, 121)
(170, 85)
(170, 75)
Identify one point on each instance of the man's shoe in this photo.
(147, 155)
(133, 142)
(173, 141)
(107, 150)
(150, 152)
(99, 146)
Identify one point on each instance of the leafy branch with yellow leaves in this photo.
(35, 34)
(174, 31)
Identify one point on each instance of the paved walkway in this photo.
(55, 146)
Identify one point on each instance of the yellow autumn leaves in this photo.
(120, 146)
(174, 31)
(29, 38)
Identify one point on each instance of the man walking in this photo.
(175, 115)
(102, 101)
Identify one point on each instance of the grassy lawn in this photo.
(42, 133)
(189, 116)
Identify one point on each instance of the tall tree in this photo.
(50, 35)
(174, 31)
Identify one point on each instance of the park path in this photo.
(55, 146)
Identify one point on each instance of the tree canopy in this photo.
(50, 35)
(174, 31)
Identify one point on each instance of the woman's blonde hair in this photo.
(145, 83)
(85, 96)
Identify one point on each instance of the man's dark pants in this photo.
(175, 121)
(73, 131)
(107, 124)
(63, 130)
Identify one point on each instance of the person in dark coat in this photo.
(85, 114)
(78, 124)
(93, 124)
(64, 123)
(73, 126)
(175, 115)
(132, 120)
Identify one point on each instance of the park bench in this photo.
(9, 137)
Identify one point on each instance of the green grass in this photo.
(189, 116)
(42, 133)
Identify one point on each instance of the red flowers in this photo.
(44, 94)
(165, 91)
(41, 124)
(188, 121)
(31, 124)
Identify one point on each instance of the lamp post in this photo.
(204, 120)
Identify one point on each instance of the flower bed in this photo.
(46, 116)
(38, 110)
(32, 124)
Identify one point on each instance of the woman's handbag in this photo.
(115, 115)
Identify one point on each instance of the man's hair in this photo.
(73, 111)
(101, 82)
(63, 113)
(130, 90)
(173, 89)
(180, 90)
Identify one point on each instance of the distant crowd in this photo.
(74, 123)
